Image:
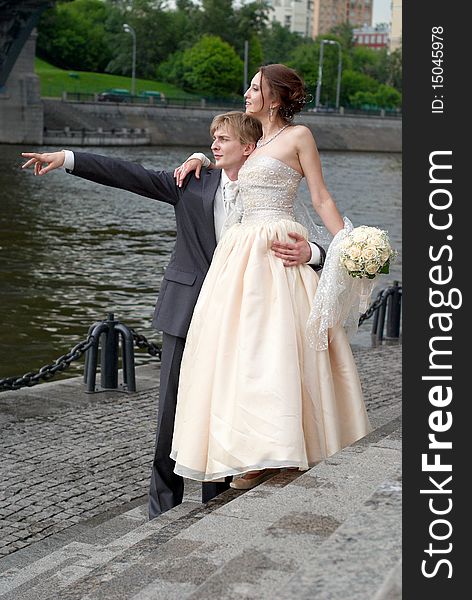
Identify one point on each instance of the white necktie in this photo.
(230, 193)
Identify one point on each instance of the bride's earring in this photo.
(271, 112)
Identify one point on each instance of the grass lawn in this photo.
(54, 81)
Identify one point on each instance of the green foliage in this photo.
(353, 82)
(175, 44)
(217, 18)
(305, 60)
(212, 67)
(371, 62)
(255, 57)
(395, 69)
(388, 97)
(278, 43)
(158, 34)
(172, 69)
(76, 35)
(360, 90)
(344, 34)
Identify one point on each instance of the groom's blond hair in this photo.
(246, 128)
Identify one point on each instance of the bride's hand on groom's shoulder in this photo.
(51, 160)
(181, 172)
(194, 162)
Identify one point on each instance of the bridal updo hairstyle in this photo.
(287, 88)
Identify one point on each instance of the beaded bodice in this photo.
(268, 189)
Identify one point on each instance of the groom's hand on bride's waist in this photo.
(294, 253)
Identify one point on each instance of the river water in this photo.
(72, 251)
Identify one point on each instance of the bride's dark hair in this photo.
(287, 87)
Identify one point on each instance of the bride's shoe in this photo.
(247, 483)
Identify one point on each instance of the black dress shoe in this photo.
(210, 489)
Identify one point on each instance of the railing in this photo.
(225, 103)
(163, 101)
(115, 133)
(106, 334)
(385, 308)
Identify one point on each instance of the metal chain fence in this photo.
(63, 362)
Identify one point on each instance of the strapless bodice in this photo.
(268, 189)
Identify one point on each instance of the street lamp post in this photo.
(246, 63)
(320, 72)
(320, 76)
(129, 29)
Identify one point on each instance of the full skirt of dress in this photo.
(252, 392)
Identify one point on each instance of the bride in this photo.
(254, 393)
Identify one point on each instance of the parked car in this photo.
(115, 95)
(157, 97)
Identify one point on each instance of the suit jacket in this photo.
(195, 241)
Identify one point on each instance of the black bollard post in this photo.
(106, 334)
(109, 355)
(375, 323)
(394, 311)
(91, 357)
(381, 319)
(127, 354)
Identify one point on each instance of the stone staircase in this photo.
(331, 533)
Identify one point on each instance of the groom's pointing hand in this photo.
(53, 160)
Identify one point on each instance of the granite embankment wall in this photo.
(173, 126)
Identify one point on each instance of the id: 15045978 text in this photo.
(437, 70)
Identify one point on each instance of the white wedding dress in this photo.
(253, 392)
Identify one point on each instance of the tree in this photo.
(353, 82)
(278, 43)
(305, 60)
(255, 58)
(212, 67)
(344, 33)
(395, 69)
(388, 97)
(159, 33)
(217, 18)
(371, 62)
(172, 69)
(76, 35)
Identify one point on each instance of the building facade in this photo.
(329, 13)
(396, 26)
(371, 37)
(295, 15)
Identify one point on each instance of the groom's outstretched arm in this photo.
(112, 172)
(129, 176)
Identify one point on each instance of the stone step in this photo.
(244, 544)
(391, 588)
(40, 561)
(353, 561)
(267, 535)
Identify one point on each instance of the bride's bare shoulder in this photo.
(301, 132)
(302, 135)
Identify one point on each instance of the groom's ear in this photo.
(248, 149)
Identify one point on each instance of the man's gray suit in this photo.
(183, 278)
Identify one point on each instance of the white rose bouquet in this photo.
(366, 251)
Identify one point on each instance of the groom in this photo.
(201, 206)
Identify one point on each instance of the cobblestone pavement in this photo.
(73, 461)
